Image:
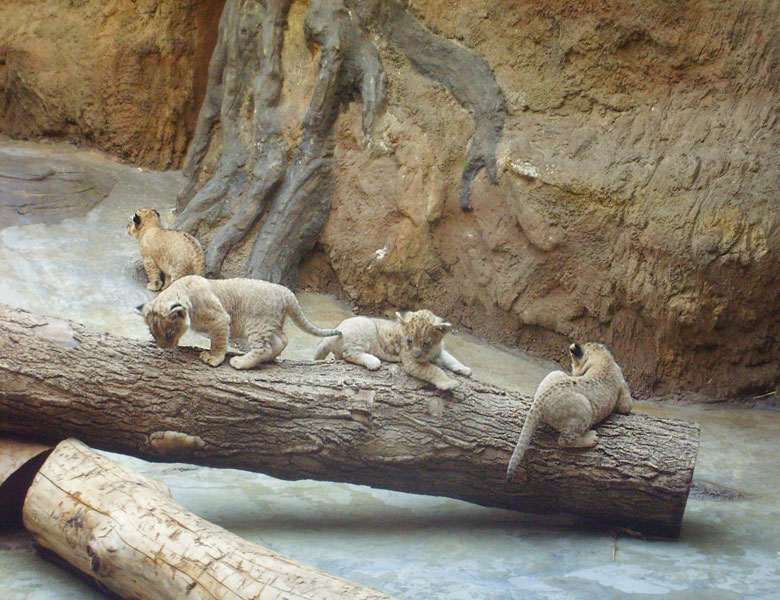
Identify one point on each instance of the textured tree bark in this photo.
(333, 421)
(126, 532)
(258, 177)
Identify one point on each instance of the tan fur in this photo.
(174, 253)
(239, 309)
(573, 404)
(415, 339)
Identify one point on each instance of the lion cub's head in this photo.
(167, 320)
(423, 332)
(143, 217)
(588, 356)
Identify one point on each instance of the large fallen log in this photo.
(333, 421)
(127, 533)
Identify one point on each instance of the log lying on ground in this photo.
(335, 422)
(126, 532)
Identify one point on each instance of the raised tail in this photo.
(323, 348)
(296, 314)
(531, 422)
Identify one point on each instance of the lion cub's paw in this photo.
(154, 286)
(446, 384)
(210, 359)
(464, 371)
(373, 363)
(241, 362)
(590, 439)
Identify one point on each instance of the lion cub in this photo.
(174, 253)
(572, 404)
(239, 309)
(415, 339)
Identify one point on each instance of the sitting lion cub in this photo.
(239, 309)
(573, 404)
(174, 253)
(415, 340)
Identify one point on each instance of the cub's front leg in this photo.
(448, 361)
(428, 372)
(218, 330)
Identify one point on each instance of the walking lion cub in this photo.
(238, 309)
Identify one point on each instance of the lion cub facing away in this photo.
(573, 404)
(174, 253)
(239, 309)
(415, 339)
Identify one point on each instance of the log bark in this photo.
(333, 421)
(127, 533)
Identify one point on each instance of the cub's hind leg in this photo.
(154, 273)
(278, 343)
(574, 440)
(261, 349)
(624, 401)
(572, 416)
(324, 348)
(364, 359)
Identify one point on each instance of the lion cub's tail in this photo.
(198, 261)
(531, 422)
(296, 314)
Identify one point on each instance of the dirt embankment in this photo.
(124, 76)
(638, 172)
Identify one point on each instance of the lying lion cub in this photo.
(239, 309)
(415, 339)
(173, 253)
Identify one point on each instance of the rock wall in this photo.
(638, 170)
(637, 196)
(127, 76)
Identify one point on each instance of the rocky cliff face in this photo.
(126, 76)
(638, 181)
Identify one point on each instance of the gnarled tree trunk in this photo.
(259, 178)
(333, 421)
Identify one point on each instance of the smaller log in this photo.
(126, 532)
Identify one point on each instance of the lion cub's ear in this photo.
(136, 219)
(140, 309)
(403, 317)
(177, 310)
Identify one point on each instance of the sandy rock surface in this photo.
(638, 178)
